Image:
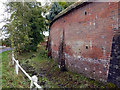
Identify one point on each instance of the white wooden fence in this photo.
(33, 79)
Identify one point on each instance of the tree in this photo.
(54, 10)
(65, 4)
(37, 25)
(26, 25)
(6, 42)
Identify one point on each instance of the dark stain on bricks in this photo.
(90, 42)
(114, 71)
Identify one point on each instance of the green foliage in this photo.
(111, 85)
(54, 10)
(65, 4)
(26, 25)
(37, 26)
(6, 42)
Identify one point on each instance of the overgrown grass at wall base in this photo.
(50, 75)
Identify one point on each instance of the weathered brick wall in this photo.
(89, 31)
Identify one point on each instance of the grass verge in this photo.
(9, 77)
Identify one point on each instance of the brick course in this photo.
(88, 38)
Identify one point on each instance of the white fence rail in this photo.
(33, 79)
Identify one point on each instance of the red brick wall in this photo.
(88, 38)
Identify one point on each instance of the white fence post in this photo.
(33, 79)
(16, 67)
(13, 57)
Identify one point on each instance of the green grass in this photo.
(9, 77)
(48, 73)
(53, 77)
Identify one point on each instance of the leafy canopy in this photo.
(26, 25)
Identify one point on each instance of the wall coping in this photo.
(69, 9)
